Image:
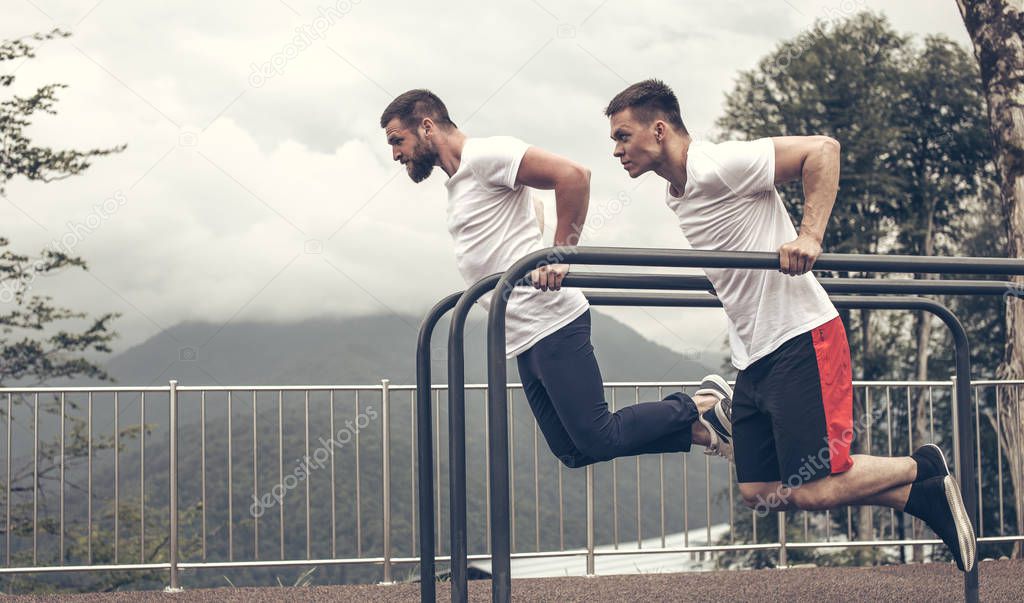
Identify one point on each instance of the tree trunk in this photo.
(923, 328)
(996, 28)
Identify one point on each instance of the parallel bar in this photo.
(424, 439)
(497, 375)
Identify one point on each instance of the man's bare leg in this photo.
(871, 480)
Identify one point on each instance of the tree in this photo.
(996, 28)
(41, 341)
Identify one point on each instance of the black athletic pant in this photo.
(563, 384)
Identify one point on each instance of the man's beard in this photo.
(422, 164)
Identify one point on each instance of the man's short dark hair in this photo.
(649, 100)
(411, 107)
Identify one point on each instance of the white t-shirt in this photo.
(493, 223)
(730, 204)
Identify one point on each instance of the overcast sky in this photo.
(257, 183)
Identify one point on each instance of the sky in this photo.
(257, 184)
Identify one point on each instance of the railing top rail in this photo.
(444, 386)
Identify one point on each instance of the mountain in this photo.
(357, 351)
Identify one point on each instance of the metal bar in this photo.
(639, 503)
(783, 556)
(307, 480)
(590, 520)
(60, 536)
(202, 466)
(437, 472)
(385, 438)
(7, 524)
(457, 439)
(615, 487)
(501, 576)
(35, 481)
(511, 465)
(172, 481)
(998, 451)
(334, 522)
(561, 509)
(425, 442)
(142, 477)
(888, 435)
(487, 489)
(981, 500)
(231, 520)
(255, 481)
(359, 494)
(280, 471)
(412, 469)
(536, 490)
(661, 483)
(117, 472)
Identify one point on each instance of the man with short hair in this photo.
(494, 223)
(792, 412)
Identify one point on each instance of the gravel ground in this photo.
(933, 583)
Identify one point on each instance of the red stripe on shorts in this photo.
(836, 379)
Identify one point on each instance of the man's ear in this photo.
(659, 130)
(427, 125)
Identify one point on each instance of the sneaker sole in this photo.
(941, 456)
(722, 389)
(720, 382)
(964, 530)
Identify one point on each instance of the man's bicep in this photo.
(790, 154)
(542, 169)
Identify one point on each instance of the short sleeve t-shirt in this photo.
(493, 223)
(730, 204)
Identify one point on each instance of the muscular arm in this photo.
(815, 161)
(544, 170)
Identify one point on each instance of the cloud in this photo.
(280, 201)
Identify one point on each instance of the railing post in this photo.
(590, 520)
(783, 555)
(386, 472)
(955, 406)
(172, 481)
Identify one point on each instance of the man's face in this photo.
(635, 144)
(418, 156)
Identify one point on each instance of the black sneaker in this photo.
(930, 462)
(937, 501)
(718, 419)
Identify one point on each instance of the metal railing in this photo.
(501, 585)
(108, 454)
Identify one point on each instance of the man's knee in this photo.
(813, 496)
(763, 498)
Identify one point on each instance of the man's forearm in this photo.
(571, 201)
(821, 183)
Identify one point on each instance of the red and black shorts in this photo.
(792, 414)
